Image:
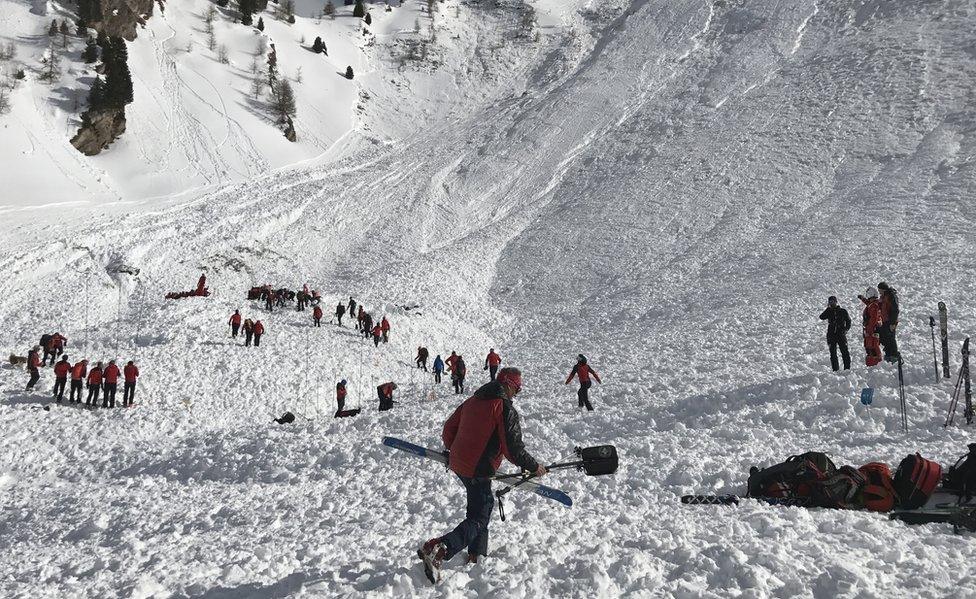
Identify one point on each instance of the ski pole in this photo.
(935, 360)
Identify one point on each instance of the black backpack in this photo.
(45, 339)
(792, 478)
(286, 418)
(961, 477)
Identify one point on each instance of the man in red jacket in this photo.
(871, 319)
(235, 323)
(110, 384)
(584, 372)
(258, 331)
(317, 316)
(377, 335)
(385, 329)
(491, 363)
(61, 371)
(479, 432)
(33, 364)
(131, 373)
(78, 373)
(94, 385)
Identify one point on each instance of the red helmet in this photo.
(510, 377)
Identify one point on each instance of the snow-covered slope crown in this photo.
(672, 188)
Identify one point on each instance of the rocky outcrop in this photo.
(290, 133)
(119, 18)
(98, 130)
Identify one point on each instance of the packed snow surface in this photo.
(671, 187)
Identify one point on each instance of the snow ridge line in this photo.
(802, 28)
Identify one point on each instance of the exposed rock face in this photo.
(290, 133)
(99, 130)
(119, 18)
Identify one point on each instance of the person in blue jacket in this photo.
(438, 368)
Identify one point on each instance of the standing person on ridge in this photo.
(110, 385)
(458, 373)
(838, 323)
(421, 358)
(340, 397)
(131, 373)
(584, 372)
(258, 331)
(871, 323)
(385, 328)
(491, 363)
(340, 312)
(61, 371)
(33, 364)
(94, 385)
(889, 321)
(248, 332)
(438, 368)
(479, 432)
(317, 316)
(78, 373)
(235, 323)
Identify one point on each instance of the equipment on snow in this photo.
(962, 517)
(944, 336)
(730, 499)
(915, 480)
(961, 477)
(901, 395)
(286, 418)
(347, 413)
(867, 396)
(962, 384)
(935, 359)
(792, 478)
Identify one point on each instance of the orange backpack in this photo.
(878, 493)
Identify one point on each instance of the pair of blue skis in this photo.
(511, 480)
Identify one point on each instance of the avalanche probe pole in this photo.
(901, 395)
(962, 382)
(968, 413)
(935, 359)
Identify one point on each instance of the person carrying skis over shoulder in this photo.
(33, 365)
(385, 328)
(438, 368)
(871, 319)
(421, 359)
(110, 384)
(838, 323)
(340, 397)
(584, 372)
(235, 323)
(478, 434)
(248, 332)
(340, 312)
(385, 394)
(61, 371)
(94, 385)
(458, 372)
(317, 316)
(889, 322)
(131, 374)
(258, 331)
(377, 335)
(491, 363)
(78, 373)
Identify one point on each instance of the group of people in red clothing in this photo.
(101, 379)
(252, 329)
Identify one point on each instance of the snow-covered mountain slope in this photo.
(672, 188)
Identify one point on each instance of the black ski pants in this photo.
(472, 532)
(257, 340)
(248, 335)
(492, 371)
(888, 343)
(318, 322)
(339, 318)
(47, 353)
(584, 395)
(376, 341)
(76, 385)
(437, 376)
(108, 394)
(835, 343)
(458, 385)
(59, 384)
(92, 399)
(234, 328)
(129, 393)
(35, 375)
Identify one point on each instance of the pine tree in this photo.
(283, 101)
(317, 45)
(272, 69)
(329, 9)
(247, 9)
(96, 95)
(52, 65)
(63, 30)
(53, 29)
(359, 10)
(118, 79)
(222, 3)
(260, 23)
(349, 74)
(90, 55)
(368, 19)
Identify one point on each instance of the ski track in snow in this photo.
(675, 198)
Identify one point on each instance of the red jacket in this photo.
(386, 389)
(451, 361)
(78, 371)
(340, 392)
(871, 316)
(33, 360)
(95, 376)
(583, 371)
(493, 359)
(385, 324)
(131, 372)
(258, 328)
(235, 318)
(56, 342)
(317, 312)
(61, 369)
(482, 430)
(377, 331)
(112, 374)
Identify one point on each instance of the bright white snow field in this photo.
(671, 187)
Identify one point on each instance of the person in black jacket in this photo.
(838, 323)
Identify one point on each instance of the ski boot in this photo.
(432, 554)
